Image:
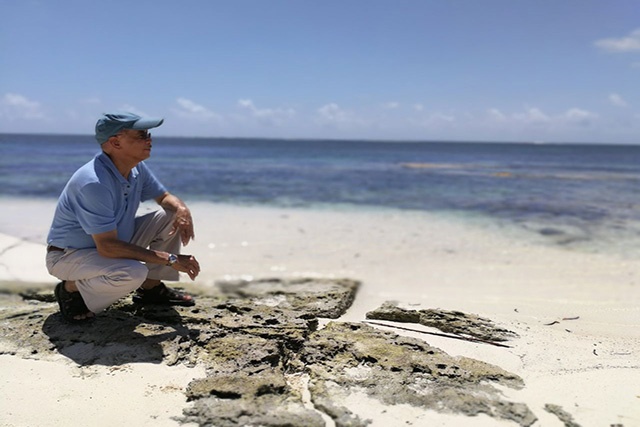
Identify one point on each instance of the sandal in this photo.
(71, 305)
(163, 295)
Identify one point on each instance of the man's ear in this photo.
(114, 141)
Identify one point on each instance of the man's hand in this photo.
(183, 223)
(187, 264)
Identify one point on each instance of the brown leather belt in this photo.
(54, 248)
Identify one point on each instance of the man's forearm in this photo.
(171, 202)
(121, 249)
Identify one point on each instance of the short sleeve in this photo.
(94, 209)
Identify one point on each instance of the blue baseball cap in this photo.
(111, 124)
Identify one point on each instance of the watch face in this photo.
(172, 259)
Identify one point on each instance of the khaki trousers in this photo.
(102, 281)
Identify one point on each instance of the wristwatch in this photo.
(173, 258)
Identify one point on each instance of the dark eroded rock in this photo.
(328, 298)
(256, 340)
(396, 369)
(454, 322)
(266, 410)
(562, 415)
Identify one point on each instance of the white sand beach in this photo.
(577, 313)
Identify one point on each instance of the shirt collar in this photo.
(108, 163)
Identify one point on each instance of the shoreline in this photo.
(577, 313)
(616, 239)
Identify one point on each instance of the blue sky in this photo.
(497, 70)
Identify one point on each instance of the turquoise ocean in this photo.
(585, 196)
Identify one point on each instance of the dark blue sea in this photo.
(566, 192)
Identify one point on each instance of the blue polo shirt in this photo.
(98, 199)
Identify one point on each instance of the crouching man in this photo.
(97, 246)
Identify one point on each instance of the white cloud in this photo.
(418, 107)
(623, 44)
(269, 115)
(433, 120)
(333, 115)
(392, 105)
(497, 115)
(532, 115)
(579, 116)
(332, 112)
(191, 110)
(441, 118)
(16, 100)
(15, 106)
(534, 118)
(617, 100)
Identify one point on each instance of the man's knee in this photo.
(131, 275)
(163, 220)
(165, 217)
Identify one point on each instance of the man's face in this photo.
(136, 143)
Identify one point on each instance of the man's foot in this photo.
(72, 306)
(163, 295)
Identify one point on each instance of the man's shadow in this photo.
(122, 334)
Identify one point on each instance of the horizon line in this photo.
(372, 140)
